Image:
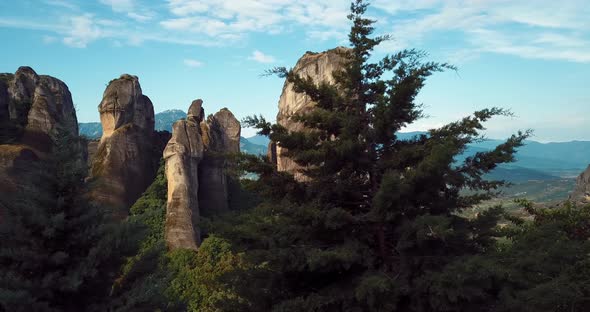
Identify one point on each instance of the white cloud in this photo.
(140, 17)
(215, 18)
(464, 29)
(261, 57)
(541, 29)
(83, 30)
(192, 63)
(130, 7)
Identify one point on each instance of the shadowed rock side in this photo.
(34, 105)
(196, 170)
(127, 156)
(31, 108)
(320, 67)
(182, 155)
(221, 135)
(581, 193)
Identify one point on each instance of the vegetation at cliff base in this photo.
(59, 251)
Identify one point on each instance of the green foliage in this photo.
(541, 265)
(377, 221)
(59, 250)
(145, 277)
(181, 280)
(198, 276)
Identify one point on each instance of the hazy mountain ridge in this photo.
(164, 121)
(534, 161)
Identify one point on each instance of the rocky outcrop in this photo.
(31, 108)
(127, 156)
(320, 68)
(221, 137)
(35, 105)
(196, 169)
(581, 193)
(183, 155)
(123, 103)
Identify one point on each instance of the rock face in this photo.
(222, 137)
(320, 67)
(127, 156)
(581, 193)
(196, 171)
(183, 155)
(37, 105)
(123, 103)
(31, 108)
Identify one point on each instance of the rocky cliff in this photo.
(320, 68)
(183, 155)
(196, 164)
(221, 137)
(127, 156)
(581, 193)
(31, 108)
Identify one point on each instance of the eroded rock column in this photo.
(183, 155)
(127, 157)
(222, 137)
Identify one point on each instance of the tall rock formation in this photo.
(196, 164)
(183, 155)
(221, 137)
(31, 108)
(581, 193)
(127, 156)
(320, 68)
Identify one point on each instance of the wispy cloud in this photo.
(83, 31)
(539, 29)
(131, 9)
(192, 63)
(62, 4)
(261, 57)
(234, 19)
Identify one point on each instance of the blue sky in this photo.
(532, 56)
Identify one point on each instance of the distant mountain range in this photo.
(534, 161)
(164, 121)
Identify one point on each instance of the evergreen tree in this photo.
(378, 221)
(59, 251)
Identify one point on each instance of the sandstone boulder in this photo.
(581, 193)
(127, 156)
(320, 67)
